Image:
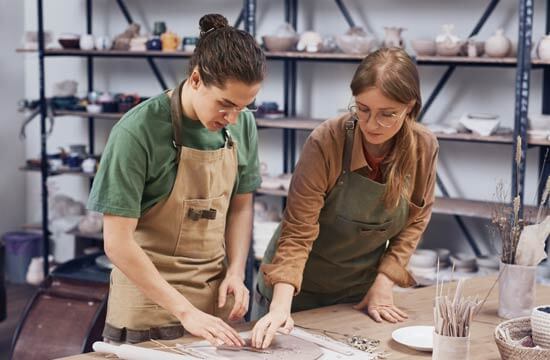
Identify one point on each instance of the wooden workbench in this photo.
(417, 303)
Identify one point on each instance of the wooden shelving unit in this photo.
(293, 55)
(302, 123)
(448, 206)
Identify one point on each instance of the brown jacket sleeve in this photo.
(394, 262)
(314, 175)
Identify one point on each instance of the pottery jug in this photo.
(170, 41)
(498, 45)
(543, 49)
(393, 37)
(87, 42)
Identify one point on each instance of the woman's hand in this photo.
(265, 329)
(278, 317)
(233, 284)
(379, 301)
(211, 328)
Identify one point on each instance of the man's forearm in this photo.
(126, 255)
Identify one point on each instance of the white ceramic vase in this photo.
(514, 280)
(498, 45)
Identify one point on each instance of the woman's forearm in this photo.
(282, 297)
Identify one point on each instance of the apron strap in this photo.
(348, 146)
(176, 115)
(228, 138)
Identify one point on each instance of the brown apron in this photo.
(184, 236)
(354, 229)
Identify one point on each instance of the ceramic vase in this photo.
(543, 49)
(516, 290)
(393, 37)
(498, 45)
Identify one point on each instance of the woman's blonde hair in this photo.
(393, 72)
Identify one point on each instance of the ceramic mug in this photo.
(88, 165)
(154, 44)
(55, 164)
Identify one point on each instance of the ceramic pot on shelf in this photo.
(543, 50)
(498, 45)
(393, 37)
(87, 42)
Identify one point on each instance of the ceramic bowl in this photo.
(352, 44)
(464, 262)
(540, 326)
(423, 258)
(280, 43)
(481, 127)
(93, 108)
(69, 41)
(446, 49)
(424, 47)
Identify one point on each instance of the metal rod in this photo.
(250, 17)
(90, 73)
(345, 12)
(43, 141)
(523, 74)
(157, 73)
(441, 83)
(460, 222)
(125, 11)
(150, 61)
(544, 161)
(294, 15)
(292, 134)
(239, 20)
(488, 11)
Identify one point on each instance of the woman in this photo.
(360, 199)
(175, 185)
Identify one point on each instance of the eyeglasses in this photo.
(235, 110)
(385, 119)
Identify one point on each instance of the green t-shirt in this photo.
(138, 166)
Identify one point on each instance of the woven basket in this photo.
(518, 328)
(540, 326)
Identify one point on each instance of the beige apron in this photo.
(354, 229)
(184, 236)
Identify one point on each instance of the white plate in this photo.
(416, 337)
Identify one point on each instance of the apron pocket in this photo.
(202, 229)
(365, 225)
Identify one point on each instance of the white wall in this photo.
(469, 170)
(12, 150)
